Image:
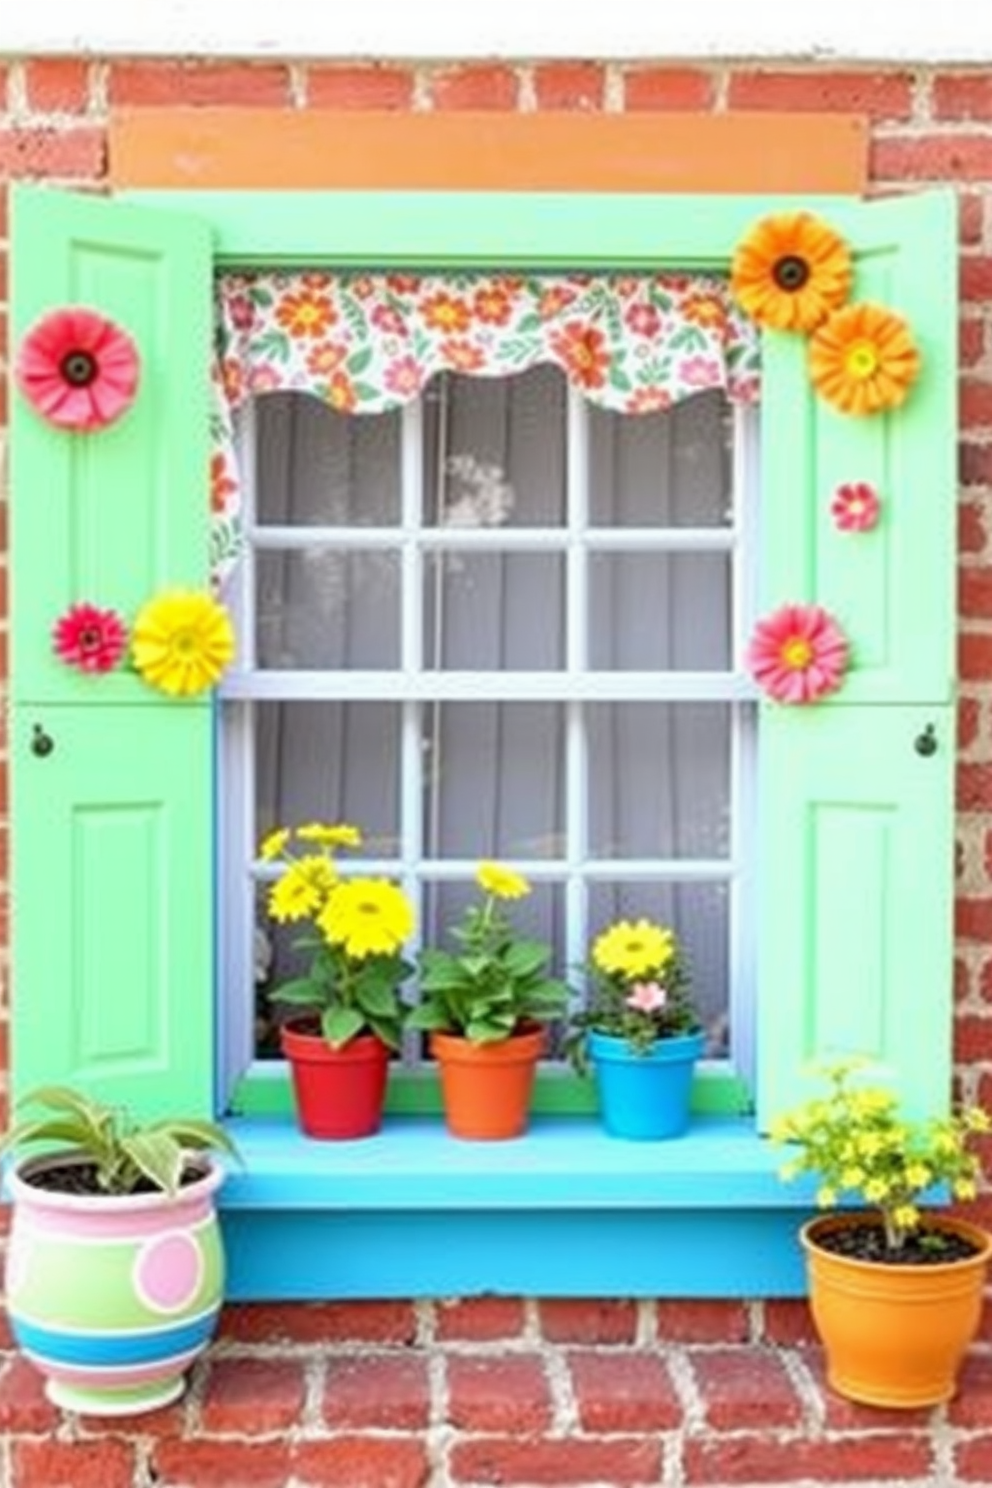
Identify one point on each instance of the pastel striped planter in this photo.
(113, 1297)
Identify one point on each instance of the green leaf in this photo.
(525, 957)
(488, 1030)
(157, 1156)
(339, 1024)
(300, 990)
(198, 1135)
(25, 1133)
(428, 1016)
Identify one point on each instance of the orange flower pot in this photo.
(486, 1088)
(895, 1335)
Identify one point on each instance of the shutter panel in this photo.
(114, 515)
(855, 876)
(112, 888)
(892, 589)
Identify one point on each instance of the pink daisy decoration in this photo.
(798, 654)
(78, 369)
(90, 639)
(646, 997)
(855, 507)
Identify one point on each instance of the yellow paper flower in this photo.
(501, 882)
(634, 950)
(790, 271)
(863, 359)
(303, 889)
(367, 917)
(338, 835)
(181, 642)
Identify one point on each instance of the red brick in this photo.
(975, 593)
(935, 157)
(971, 527)
(479, 1318)
(181, 1463)
(24, 1407)
(788, 1321)
(388, 1392)
(252, 1397)
(503, 1393)
(91, 1464)
(701, 1322)
(975, 278)
(623, 1390)
(883, 95)
(56, 85)
(4, 80)
(568, 1320)
(70, 154)
(962, 96)
(971, 340)
(972, 1038)
(745, 1387)
(755, 1458)
(620, 1461)
(975, 403)
(974, 787)
(569, 85)
(675, 88)
(359, 87)
(359, 1462)
(971, 217)
(159, 84)
(975, 658)
(962, 980)
(320, 1322)
(485, 86)
(975, 466)
(973, 1461)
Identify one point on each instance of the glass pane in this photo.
(540, 916)
(330, 762)
(324, 608)
(659, 780)
(670, 469)
(493, 780)
(700, 915)
(494, 612)
(664, 611)
(318, 467)
(495, 450)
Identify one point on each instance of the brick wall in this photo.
(426, 1394)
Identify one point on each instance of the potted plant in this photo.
(115, 1266)
(895, 1291)
(352, 1015)
(485, 1006)
(638, 1030)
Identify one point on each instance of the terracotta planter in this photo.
(112, 1297)
(339, 1093)
(894, 1335)
(486, 1088)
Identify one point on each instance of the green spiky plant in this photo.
(121, 1151)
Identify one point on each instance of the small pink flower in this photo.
(798, 654)
(89, 639)
(78, 369)
(405, 377)
(646, 997)
(855, 507)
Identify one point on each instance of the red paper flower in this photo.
(798, 654)
(90, 639)
(855, 507)
(78, 369)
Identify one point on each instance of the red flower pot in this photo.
(339, 1092)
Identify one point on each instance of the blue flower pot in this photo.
(644, 1097)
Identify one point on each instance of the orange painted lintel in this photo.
(247, 149)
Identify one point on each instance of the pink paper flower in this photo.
(646, 997)
(90, 639)
(855, 507)
(798, 654)
(78, 369)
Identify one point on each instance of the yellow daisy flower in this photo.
(634, 950)
(181, 642)
(274, 845)
(302, 889)
(367, 917)
(501, 882)
(339, 835)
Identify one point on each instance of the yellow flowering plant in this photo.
(638, 988)
(497, 980)
(358, 929)
(858, 1142)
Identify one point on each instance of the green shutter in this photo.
(115, 515)
(855, 878)
(112, 873)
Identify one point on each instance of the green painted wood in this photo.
(856, 893)
(892, 589)
(112, 904)
(117, 514)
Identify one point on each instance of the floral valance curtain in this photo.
(366, 343)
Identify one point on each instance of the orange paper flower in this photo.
(863, 359)
(790, 272)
